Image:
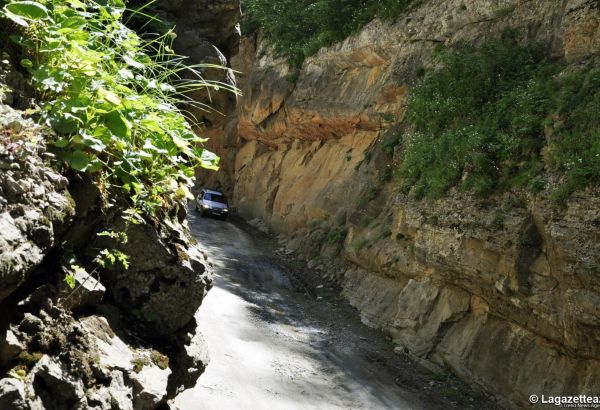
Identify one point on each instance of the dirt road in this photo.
(273, 347)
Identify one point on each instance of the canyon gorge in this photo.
(502, 290)
(500, 287)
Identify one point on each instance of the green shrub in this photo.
(372, 193)
(111, 98)
(385, 175)
(336, 235)
(390, 143)
(479, 121)
(300, 28)
(574, 146)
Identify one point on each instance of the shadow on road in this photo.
(272, 347)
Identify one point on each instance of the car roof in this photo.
(212, 191)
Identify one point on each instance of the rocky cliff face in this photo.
(75, 333)
(503, 290)
(115, 338)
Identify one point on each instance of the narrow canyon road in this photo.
(274, 348)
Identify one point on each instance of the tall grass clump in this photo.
(111, 98)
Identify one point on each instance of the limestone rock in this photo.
(116, 396)
(68, 348)
(147, 382)
(114, 354)
(149, 386)
(10, 347)
(34, 204)
(121, 395)
(55, 387)
(12, 394)
(189, 362)
(98, 349)
(165, 282)
(14, 94)
(86, 292)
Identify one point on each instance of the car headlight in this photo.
(205, 206)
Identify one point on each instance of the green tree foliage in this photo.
(494, 118)
(299, 28)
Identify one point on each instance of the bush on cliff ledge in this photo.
(300, 28)
(499, 117)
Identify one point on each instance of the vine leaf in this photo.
(20, 12)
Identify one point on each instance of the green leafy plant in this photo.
(112, 98)
(110, 257)
(386, 174)
(70, 280)
(574, 144)
(390, 143)
(480, 122)
(113, 101)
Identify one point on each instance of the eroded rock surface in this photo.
(35, 205)
(207, 33)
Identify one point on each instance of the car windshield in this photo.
(215, 198)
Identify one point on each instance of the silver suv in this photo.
(211, 202)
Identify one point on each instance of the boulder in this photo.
(149, 385)
(55, 387)
(165, 282)
(121, 395)
(10, 347)
(117, 395)
(189, 361)
(112, 351)
(12, 394)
